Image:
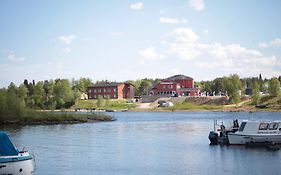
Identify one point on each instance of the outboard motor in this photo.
(213, 137)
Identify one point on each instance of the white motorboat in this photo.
(12, 161)
(256, 132)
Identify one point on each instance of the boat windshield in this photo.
(273, 126)
(242, 126)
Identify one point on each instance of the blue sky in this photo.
(120, 40)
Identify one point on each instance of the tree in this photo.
(274, 87)
(233, 87)
(256, 93)
(145, 85)
(22, 92)
(63, 93)
(39, 95)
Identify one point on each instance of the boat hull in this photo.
(17, 165)
(240, 139)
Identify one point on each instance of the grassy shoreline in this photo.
(55, 117)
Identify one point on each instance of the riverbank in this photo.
(56, 117)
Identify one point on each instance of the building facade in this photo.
(111, 91)
(176, 85)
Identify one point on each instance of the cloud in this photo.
(206, 32)
(66, 39)
(230, 58)
(10, 55)
(150, 54)
(13, 57)
(66, 50)
(136, 6)
(184, 35)
(167, 20)
(274, 43)
(197, 5)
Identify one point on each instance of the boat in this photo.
(255, 132)
(250, 132)
(13, 161)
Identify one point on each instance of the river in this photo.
(140, 143)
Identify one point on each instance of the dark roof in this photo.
(178, 77)
(109, 84)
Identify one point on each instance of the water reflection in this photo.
(143, 143)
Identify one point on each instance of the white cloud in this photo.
(13, 57)
(230, 58)
(136, 6)
(197, 5)
(274, 43)
(150, 54)
(185, 35)
(66, 39)
(206, 32)
(167, 20)
(66, 50)
(10, 55)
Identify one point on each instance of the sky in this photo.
(120, 40)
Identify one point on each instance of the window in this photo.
(114, 90)
(108, 90)
(90, 96)
(114, 96)
(104, 90)
(263, 126)
(95, 90)
(90, 90)
(95, 96)
(273, 126)
(99, 90)
(170, 87)
(242, 126)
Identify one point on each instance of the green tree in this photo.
(256, 93)
(39, 95)
(145, 85)
(3, 104)
(63, 94)
(274, 87)
(22, 92)
(233, 88)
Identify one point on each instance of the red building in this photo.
(111, 91)
(176, 85)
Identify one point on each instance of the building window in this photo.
(114, 90)
(95, 96)
(104, 90)
(90, 90)
(95, 90)
(99, 90)
(90, 96)
(114, 96)
(108, 90)
(263, 126)
(170, 87)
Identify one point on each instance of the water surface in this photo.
(144, 143)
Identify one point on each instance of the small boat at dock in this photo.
(12, 161)
(249, 132)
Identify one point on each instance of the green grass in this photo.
(191, 106)
(111, 105)
(39, 117)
